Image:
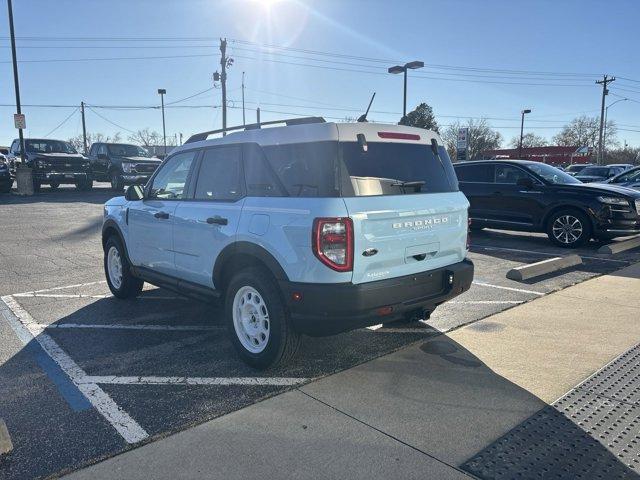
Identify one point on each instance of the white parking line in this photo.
(484, 302)
(251, 381)
(119, 326)
(28, 330)
(521, 290)
(81, 295)
(544, 254)
(77, 285)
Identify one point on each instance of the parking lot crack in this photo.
(386, 434)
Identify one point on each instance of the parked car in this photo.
(531, 196)
(121, 164)
(596, 173)
(310, 228)
(54, 162)
(629, 179)
(6, 178)
(576, 168)
(625, 166)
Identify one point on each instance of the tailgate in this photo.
(406, 234)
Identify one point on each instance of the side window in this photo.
(102, 150)
(509, 174)
(92, 150)
(475, 173)
(14, 147)
(169, 183)
(258, 174)
(219, 175)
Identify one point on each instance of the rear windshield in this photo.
(395, 169)
(331, 169)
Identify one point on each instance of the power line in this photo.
(189, 97)
(109, 121)
(62, 122)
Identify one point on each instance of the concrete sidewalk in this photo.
(417, 413)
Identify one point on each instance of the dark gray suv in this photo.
(121, 164)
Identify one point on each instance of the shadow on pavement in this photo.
(436, 395)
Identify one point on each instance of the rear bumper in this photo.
(327, 309)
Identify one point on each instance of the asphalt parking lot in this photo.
(85, 376)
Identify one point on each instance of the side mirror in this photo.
(134, 192)
(525, 182)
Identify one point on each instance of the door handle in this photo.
(217, 221)
(161, 215)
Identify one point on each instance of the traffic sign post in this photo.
(461, 144)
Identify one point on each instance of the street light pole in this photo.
(522, 132)
(403, 69)
(604, 135)
(162, 92)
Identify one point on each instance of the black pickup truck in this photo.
(54, 162)
(121, 164)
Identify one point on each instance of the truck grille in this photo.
(144, 168)
(638, 206)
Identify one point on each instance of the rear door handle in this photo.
(217, 221)
(161, 215)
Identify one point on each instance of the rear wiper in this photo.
(415, 183)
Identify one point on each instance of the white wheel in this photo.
(251, 319)
(114, 267)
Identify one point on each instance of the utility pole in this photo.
(258, 116)
(604, 82)
(180, 138)
(84, 128)
(223, 81)
(243, 121)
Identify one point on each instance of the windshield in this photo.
(395, 169)
(552, 174)
(630, 176)
(595, 172)
(48, 146)
(126, 150)
(575, 168)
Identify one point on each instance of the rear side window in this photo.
(395, 169)
(304, 169)
(219, 175)
(475, 173)
(260, 179)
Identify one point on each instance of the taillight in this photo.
(333, 242)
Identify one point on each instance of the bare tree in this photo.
(146, 138)
(528, 140)
(78, 143)
(481, 137)
(584, 131)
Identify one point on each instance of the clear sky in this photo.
(559, 48)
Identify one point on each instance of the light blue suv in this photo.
(308, 228)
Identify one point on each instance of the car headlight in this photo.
(614, 201)
(126, 167)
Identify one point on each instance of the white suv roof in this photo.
(317, 131)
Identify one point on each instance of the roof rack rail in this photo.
(255, 126)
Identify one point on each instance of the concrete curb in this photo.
(542, 268)
(617, 247)
(5, 440)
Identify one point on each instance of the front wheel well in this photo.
(559, 208)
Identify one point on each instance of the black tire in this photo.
(84, 185)
(579, 234)
(54, 185)
(6, 188)
(129, 286)
(283, 341)
(117, 183)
